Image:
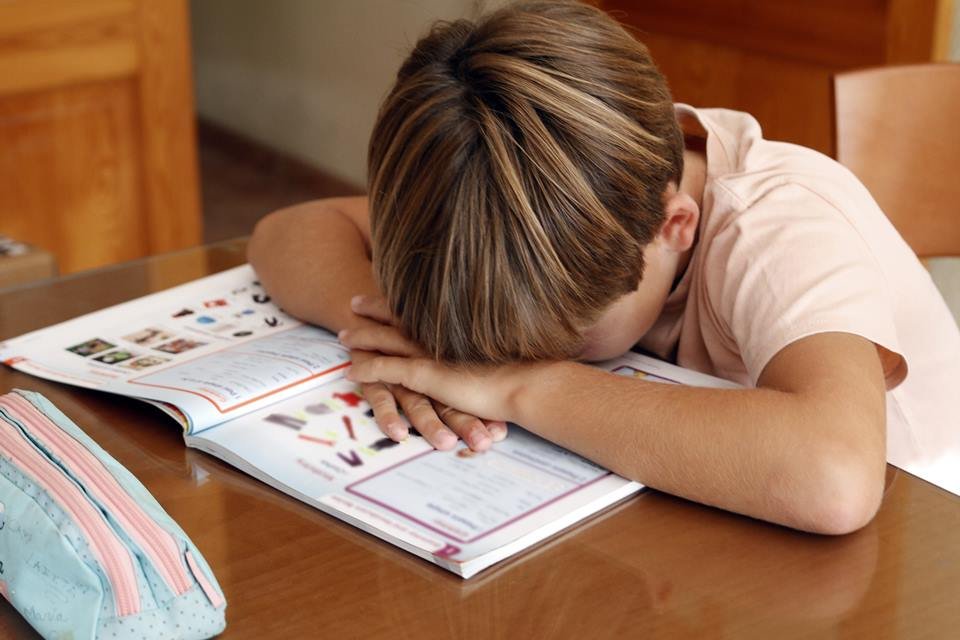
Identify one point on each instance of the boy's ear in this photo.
(679, 230)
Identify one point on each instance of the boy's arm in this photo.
(314, 257)
(805, 449)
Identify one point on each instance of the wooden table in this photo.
(652, 567)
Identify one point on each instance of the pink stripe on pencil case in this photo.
(85, 550)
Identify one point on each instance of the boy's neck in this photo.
(692, 183)
(694, 178)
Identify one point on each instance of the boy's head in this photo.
(517, 172)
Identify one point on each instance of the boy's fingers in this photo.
(421, 414)
(470, 429)
(416, 374)
(374, 307)
(385, 413)
(497, 429)
(382, 338)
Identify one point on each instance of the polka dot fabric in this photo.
(85, 551)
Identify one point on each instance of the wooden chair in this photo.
(898, 130)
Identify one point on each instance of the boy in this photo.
(535, 196)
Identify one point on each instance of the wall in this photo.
(955, 34)
(304, 76)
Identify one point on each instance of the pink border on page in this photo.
(351, 490)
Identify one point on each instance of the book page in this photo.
(641, 367)
(460, 509)
(213, 348)
(467, 496)
(323, 447)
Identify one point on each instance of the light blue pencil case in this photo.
(85, 550)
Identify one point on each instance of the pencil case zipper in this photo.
(156, 542)
(104, 543)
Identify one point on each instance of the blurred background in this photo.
(134, 127)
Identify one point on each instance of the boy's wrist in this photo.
(538, 385)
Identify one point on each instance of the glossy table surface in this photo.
(654, 566)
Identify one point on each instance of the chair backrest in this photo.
(898, 130)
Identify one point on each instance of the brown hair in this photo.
(516, 173)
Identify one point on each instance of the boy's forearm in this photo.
(806, 448)
(312, 260)
(761, 452)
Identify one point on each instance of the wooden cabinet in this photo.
(775, 58)
(97, 137)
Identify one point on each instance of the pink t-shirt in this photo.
(791, 244)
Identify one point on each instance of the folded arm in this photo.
(805, 449)
(314, 259)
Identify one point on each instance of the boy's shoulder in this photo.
(764, 195)
(776, 213)
(746, 167)
(790, 244)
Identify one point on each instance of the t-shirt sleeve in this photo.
(791, 265)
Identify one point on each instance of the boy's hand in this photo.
(439, 423)
(485, 392)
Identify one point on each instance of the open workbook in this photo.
(266, 393)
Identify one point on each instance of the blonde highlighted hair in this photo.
(516, 173)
